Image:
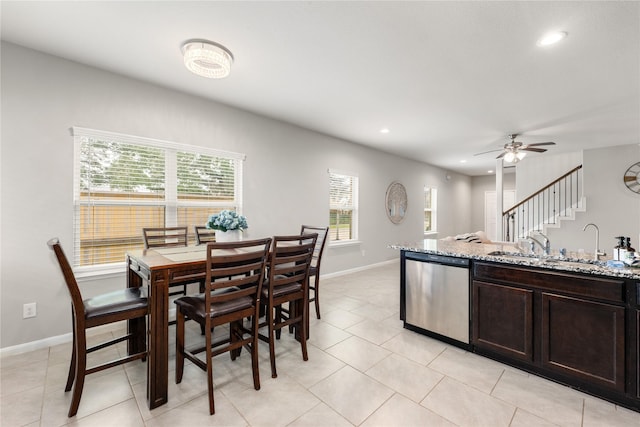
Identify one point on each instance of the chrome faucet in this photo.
(545, 245)
(596, 253)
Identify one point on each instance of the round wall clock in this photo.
(632, 178)
(396, 202)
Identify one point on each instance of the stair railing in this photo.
(544, 207)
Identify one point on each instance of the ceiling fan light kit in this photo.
(514, 151)
(514, 156)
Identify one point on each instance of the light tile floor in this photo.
(363, 369)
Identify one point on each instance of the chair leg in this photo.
(303, 328)
(272, 349)
(80, 371)
(72, 364)
(179, 345)
(235, 334)
(316, 296)
(254, 353)
(278, 320)
(208, 342)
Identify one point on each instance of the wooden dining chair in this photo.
(164, 237)
(127, 304)
(204, 235)
(169, 237)
(314, 270)
(235, 274)
(287, 283)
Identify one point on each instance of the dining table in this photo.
(157, 269)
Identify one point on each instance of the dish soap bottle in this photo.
(618, 250)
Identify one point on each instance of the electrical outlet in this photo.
(363, 253)
(29, 310)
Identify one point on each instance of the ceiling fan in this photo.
(515, 151)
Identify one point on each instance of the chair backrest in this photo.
(320, 242)
(290, 260)
(164, 237)
(69, 278)
(235, 270)
(204, 235)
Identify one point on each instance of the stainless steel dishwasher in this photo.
(437, 294)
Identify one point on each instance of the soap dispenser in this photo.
(629, 253)
(618, 250)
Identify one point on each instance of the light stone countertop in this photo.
(508, 253)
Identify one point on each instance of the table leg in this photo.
(158, 360)
(135, 327)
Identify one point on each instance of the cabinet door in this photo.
(503, 320)
(584, 339)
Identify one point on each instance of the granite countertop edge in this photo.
(509, 254)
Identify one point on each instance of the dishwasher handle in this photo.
(438, 259)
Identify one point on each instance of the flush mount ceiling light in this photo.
(552, 38)
(207, 59)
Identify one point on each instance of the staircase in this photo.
(546, 208)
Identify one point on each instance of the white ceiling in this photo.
(449, 79)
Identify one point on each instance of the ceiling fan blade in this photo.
(501, 155)
(490, 151)
(541, 143)
(536, 150)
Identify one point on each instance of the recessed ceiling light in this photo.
(552, 38)
(463, 161)
(384, 130)
(489, 171)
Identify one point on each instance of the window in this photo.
(430, 209)
(343, 206)
(124, 183)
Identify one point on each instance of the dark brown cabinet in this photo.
(562, 325)
(637, 364)
(503, 320)
(584, 339)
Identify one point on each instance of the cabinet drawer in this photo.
(545, 280)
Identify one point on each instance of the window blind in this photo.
(124, 183)
(343, 202)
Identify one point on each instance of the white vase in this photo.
(228, 236)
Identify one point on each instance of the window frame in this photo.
(433, 209)
(171, 201)
(354, 208)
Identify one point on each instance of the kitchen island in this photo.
(575, 321)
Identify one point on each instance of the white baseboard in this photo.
(65, 338)
(53, 341)
(357, 269)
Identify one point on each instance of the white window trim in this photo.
(355, 209)
(102, 271)
(434, 212)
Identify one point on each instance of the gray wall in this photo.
(481, 184)
(538, 170)
(285, 181)
(609, 204)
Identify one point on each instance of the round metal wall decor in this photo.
(632, 178)
(396, 202)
